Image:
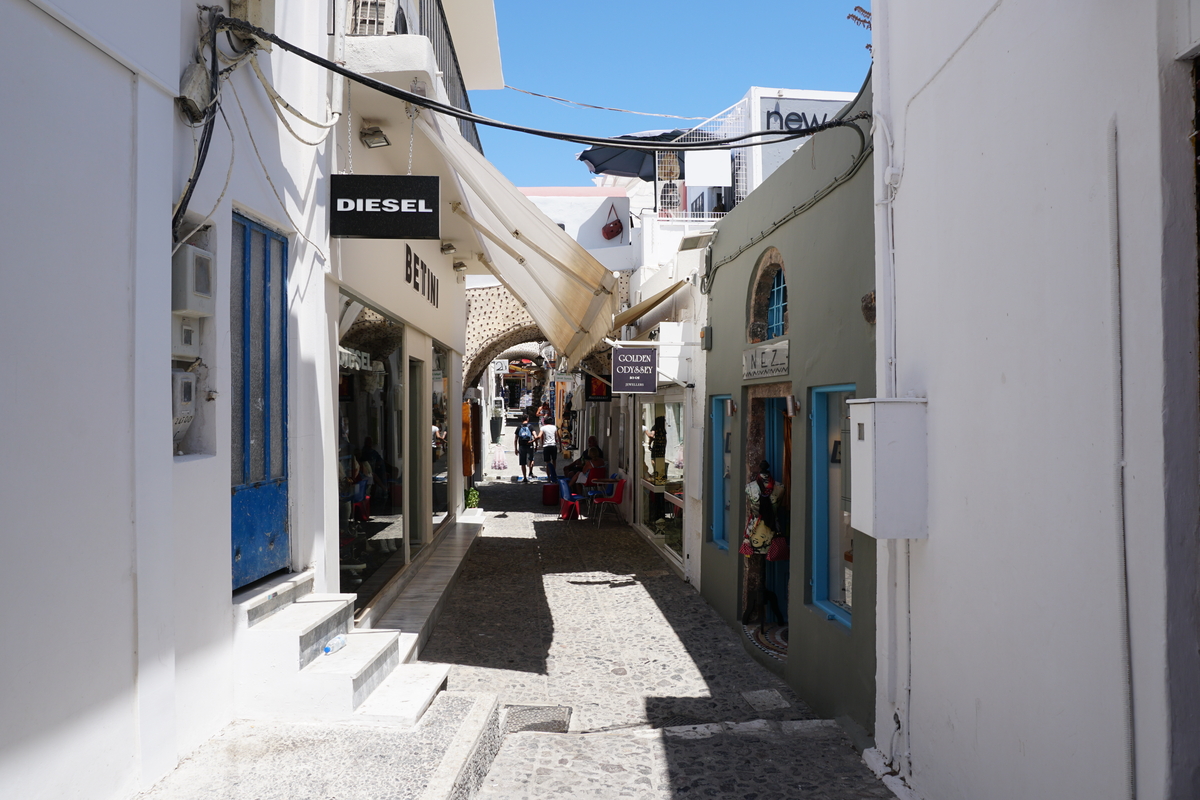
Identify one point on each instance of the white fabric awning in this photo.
(646, 306)
(569, 294)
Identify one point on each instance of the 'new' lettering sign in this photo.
(384, 207)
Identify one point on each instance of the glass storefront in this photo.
(370, 454)
(439, 436)
(661, 470)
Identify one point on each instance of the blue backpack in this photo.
(524, 434)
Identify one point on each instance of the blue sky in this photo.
(687, 58)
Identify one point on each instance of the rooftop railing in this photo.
(388, 17)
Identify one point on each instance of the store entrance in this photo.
(370, 454)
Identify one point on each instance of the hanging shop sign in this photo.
(596, 389)
(635, 370)
(765, 361)
(384, 207)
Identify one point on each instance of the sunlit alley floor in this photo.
(663, 700)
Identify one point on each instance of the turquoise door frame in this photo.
(718, 498)
(818, 561)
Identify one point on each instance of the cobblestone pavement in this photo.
(664, 700)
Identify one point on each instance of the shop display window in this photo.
(662, 470)
(832, 569)
(440, 433)
(370, 452)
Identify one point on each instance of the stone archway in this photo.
(485, 356)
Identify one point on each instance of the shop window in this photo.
(662, 469)
(440, 435)
(776, 306)
(832, 564)
(768, 317)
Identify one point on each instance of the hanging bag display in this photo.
(613, 228)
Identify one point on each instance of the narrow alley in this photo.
(660, 700)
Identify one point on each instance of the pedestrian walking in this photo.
(548, 436)
(523, 442)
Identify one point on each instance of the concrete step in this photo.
(334, 685)
(469, 755)
(408, 647)
(404, 695)
(292, 636)
(251, 606)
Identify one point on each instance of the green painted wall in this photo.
(829, 263)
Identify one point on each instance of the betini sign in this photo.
(384, 207)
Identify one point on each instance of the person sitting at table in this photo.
(593, 460)
(572, 469)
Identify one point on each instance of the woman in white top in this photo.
(548, 434)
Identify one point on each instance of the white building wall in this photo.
(1004, 318)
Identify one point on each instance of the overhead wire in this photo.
(209, 123)
(224, 189)
(458, 113)
(267, 174)
(565, 101)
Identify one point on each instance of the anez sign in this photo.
(384, 207)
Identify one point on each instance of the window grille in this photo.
(777, 306)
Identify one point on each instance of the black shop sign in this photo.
(384, 207)
(635, 370)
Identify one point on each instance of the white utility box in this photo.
(183, 402)
(889, 483)
(185, 337)
(193, 276)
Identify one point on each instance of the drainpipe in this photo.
(894, 636)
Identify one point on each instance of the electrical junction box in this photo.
(185, 337)
(889, 481)
(193, 282)
(183, 402)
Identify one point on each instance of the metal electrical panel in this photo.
(889, 482)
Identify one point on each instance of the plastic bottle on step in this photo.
(335, 644)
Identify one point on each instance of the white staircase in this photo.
(281, 630)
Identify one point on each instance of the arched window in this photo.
(777, 306)
(768, 317)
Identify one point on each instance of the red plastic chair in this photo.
(567, 500)
(615, 500)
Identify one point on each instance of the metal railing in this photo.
(387, 17)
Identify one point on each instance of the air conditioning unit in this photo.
(193, 282)
(183, 403)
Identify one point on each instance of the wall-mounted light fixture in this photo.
(373, 137)
(730, 408)
(793, 405)
(448, 248)
(460, 266)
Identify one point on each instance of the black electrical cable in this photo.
(205, 136)
(424, 102)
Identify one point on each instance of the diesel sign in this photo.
(384, 207)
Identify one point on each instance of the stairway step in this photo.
(408, 647)
(471, 751)
(254, 605)
(338, 683)
(404, 695)
(299, 631)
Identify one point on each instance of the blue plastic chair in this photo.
(568, 499)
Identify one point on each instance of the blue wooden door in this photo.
(258, 366)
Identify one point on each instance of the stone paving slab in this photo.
(810, 760)
(253, 760)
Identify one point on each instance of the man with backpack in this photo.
(523, 444)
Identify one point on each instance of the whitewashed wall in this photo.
(1003, 118)
(115, 559)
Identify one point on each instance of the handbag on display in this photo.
(746, 549)
(779, 550)
(613, 228)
